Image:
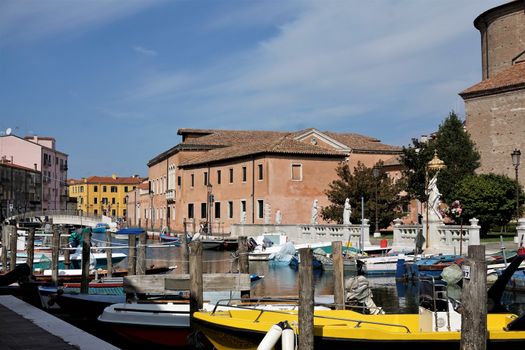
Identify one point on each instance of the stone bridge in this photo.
(62, 217)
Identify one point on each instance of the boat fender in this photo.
(288, 337)
(271, 338)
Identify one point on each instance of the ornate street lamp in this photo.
(516, 154)
(435, 164)
(376, 172)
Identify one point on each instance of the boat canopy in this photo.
(130, 231)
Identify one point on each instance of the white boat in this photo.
(383, 265)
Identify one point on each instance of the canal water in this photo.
(279, 280)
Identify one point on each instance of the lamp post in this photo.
(435, 164)
(376, 172)
(516, 154)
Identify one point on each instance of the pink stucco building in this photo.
(246, 176)
(40, 153)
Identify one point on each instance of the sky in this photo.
(113, 81)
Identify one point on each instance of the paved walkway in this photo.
(26, 327)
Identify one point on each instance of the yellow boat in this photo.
(345, 329)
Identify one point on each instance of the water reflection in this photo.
(393, 296)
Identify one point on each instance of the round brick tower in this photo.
(502, 31)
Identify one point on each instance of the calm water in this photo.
(394, 297)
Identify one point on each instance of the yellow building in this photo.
(103, 195)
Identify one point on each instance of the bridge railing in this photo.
(43, 213)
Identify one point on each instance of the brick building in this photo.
(495, 107)
(233, 176)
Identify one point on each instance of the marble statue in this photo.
(278, 217)
(315, 213)
(434, 200)
(347, 212)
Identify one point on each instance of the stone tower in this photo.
(495, 107)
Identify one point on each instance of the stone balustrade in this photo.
(308, 233)
(447, 240)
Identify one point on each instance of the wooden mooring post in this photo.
(86, 253)
(196, 284)
(184, 248)
(339, 278)
(474, 300)
(132, 254)
(141, 254)
(244, 263)
(306, 300)
(55, 252)
(64, 238)
(30, 248)
(109, 255)
(5, 243)
(13, 237)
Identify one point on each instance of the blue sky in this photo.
(113, 81)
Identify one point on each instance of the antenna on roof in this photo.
(8, 131)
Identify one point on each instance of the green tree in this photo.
(490, 198)
(454, 146)
(361, 182)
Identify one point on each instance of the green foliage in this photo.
(361, 182)
(453, 146)
(490, 198)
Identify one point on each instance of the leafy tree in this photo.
(361, 182)
(453, 146)
(490, 198)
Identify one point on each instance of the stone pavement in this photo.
(23, 326)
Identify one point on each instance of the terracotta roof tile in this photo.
(361, 142)
(108, 180)
(508, 79)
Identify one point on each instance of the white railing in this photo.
(308, 233)
(170, 195)
(448, 238)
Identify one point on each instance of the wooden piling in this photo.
(244, 263)
(13, 237)
(132, 255)
(474, 300)
(196, 280)
(55, 252)
(184, 248)
(30, 248)
(67, 252)
(86, 253)
(339, 278)
(306, 300)
(141, 254)
(109, 255)
(5, 240)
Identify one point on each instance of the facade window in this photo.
(191, 213)
(95, 212)
(192, 180)
(231, 175)
(218, 177)
(230, 209)
(95, 188)
(113, 189)
(124, 212)
(179, 181)
(126, 189)
(260, 171)
(95, 200)
(217, 210)
(104, 200)
(205, 178)
(243, 206)
(297, 172)
(260, 208)
(113, 212)
(81, 189)
(203, 211)
(104, 188)
(113, 200)
(243, 174)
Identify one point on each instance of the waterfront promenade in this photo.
(26, 327)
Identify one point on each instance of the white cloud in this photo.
(334, 62)
(28, 20)
(144, 51)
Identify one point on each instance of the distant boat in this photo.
(124, 233)
(100, 228)
(167, 237)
